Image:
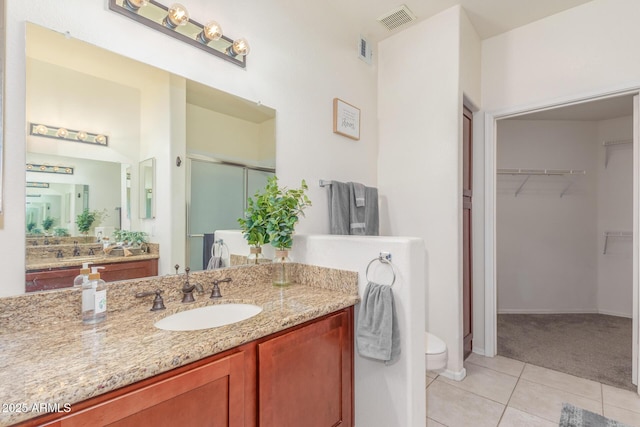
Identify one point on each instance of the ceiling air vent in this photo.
(397, 17)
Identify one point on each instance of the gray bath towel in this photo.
(339, 208)
(364, 220)
(377, 331)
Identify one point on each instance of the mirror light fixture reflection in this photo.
(64, 170)
(176, 22)
(54, 132)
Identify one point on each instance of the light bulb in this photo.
(81, 135)
(100, 139)
(134, 5)
(62, 133)
(239, 47)
(43, 168)
(42, 129)
(29, 167)
(177, 15)
(211, 31)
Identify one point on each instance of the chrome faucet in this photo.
(188, 288)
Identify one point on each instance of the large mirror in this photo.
(72, 85)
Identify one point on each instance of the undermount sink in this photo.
(207, 317)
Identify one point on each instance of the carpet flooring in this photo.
(592, 346)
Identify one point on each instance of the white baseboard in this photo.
(452, 375)
(478, 351)
(549, 311)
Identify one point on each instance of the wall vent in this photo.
(364, 50)
(397, 17)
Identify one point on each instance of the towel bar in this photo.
(384, 258)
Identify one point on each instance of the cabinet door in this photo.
(305, 377)
(210, 395)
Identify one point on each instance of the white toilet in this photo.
(435, 352)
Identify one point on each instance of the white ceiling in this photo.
(489, 17)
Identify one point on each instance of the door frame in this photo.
(490, 164)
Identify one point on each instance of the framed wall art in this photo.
(346, 119)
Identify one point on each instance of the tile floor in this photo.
(505, 392)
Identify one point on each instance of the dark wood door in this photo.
(467, 194)
(305, 377)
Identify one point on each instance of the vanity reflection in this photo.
(141, 110)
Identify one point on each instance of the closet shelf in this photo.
(608, 144)
(544, 172)
(616, 234)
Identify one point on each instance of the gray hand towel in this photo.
(215, 262)
(338, 208)
(363, 219)
(358, 193)
(377, 331)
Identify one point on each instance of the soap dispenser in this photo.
(83, 276)
(94, 298)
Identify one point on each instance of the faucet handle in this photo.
(158, 303)
(215, 292)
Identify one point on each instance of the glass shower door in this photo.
(216, 200)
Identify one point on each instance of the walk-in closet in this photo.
(564, 222)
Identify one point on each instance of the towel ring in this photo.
(383, 260)
(221, 245)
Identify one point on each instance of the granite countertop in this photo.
(47, 356)
(51, 263)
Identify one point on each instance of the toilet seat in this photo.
(433, 344)
(435, 352)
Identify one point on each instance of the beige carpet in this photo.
(593, 346)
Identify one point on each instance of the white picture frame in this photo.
(346, 119)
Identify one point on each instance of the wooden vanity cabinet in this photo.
(305, 377)
(63, 277)
(302, 376)
(217, 392)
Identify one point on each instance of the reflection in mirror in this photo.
(75, 85)
(147, 188)
(62, 197)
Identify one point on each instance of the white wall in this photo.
(550, 249)
(586, 49)
(295, 66)
(391, 395)
(615, 213)
(420, 111)
(546, 258)
(229, 138)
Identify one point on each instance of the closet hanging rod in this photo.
(541, 172)
(617, 142)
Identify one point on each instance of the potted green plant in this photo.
(254, 225)
(286, 206)
(31, 225)
(47, 223)
(61, 232)
(88, 218)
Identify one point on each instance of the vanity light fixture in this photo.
(34, 184)
(175, 22)
(54, 132)
(64, 170)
